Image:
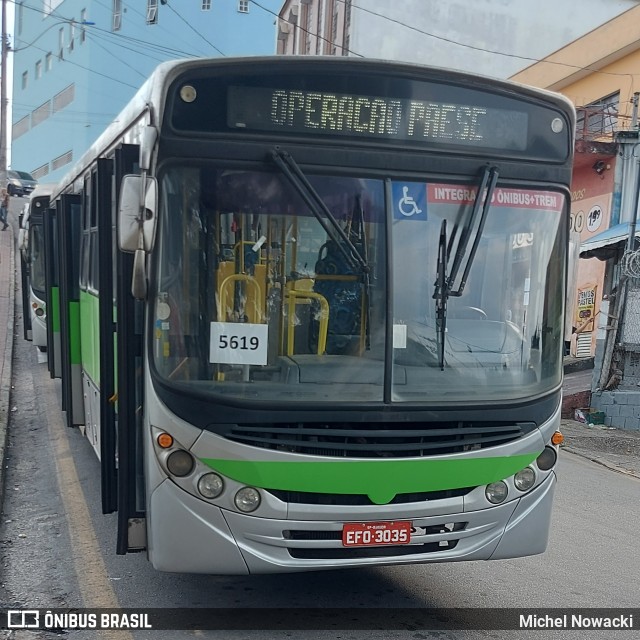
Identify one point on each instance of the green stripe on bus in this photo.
(380, 480)
(55, 309)
(90, 335)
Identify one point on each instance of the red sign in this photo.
(502, 197)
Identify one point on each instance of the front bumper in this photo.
(190, 535)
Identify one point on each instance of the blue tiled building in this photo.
(77, 62)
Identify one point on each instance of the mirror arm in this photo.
(139, 274)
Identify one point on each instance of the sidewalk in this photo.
(617, 449)
(7, 295)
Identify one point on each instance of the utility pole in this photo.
(3, 98)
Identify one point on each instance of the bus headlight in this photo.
(210, 485)
(547, 459)
(247, 499)
(496, 492)
(180, 463)
(525, 479)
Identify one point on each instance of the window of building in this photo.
(65, 97)
(319, 28)
(346, 31)
(61, 43)
(334, 31)
(40, 172)
(308, 26)
(117, 15)
(243, 6)
(38, 69)
(25, 79)
(206, 5)
(152, 11)
(41, 113)
(21, 127)
(83, 31)
(72, 35)
(60, 161)
(599, 119)
(48, 62)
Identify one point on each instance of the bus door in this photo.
(129, 374)
(52, 289)
(23, 238)
(69, 234)
(103, 180)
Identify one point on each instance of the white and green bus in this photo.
(32, 263)
(313, 307)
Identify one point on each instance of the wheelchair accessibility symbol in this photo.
(410, 201)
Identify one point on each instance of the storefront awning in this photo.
(605, 245)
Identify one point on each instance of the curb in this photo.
(5, 383)
(574, 365)
(601, 461)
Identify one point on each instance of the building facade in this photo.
(491, 37)
(600, 73)
(77, 62)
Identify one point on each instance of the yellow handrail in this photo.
(256, 316)
(304, 296)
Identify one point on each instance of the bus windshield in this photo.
(257, 297)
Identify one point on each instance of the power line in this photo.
(473, 47)
(144, 43)
(193, 28)
(103, 75)
(443, 39)
(159, 25)
(95, 37)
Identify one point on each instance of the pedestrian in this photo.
(4, 207)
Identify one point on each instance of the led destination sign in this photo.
(425, 121)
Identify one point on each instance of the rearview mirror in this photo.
(132, 218)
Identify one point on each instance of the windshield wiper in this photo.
(357, 261)
(440, 294)
(470, 234)
(318, 208)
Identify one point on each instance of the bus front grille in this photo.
(352, 500)
(384, 440)
(341, 553)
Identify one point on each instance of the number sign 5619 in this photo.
(238, 343)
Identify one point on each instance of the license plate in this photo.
(370, 534)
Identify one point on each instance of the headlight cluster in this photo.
(497, 492)
(525, 479)
(180, 464)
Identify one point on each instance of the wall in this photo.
(591, 199)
